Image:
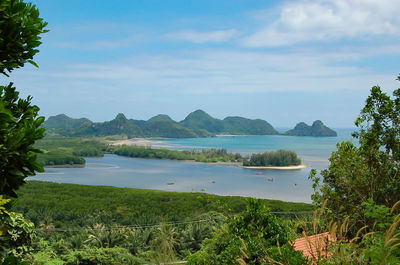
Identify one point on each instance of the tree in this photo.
(358, 175)
(20, 30)
(253, 237)
(21, 27)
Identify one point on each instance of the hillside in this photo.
(196, 124)
(239, 125)
(317, 129)
(201, 120)
(119, 125)
(62, 122)
(160, 117)
(167, 129)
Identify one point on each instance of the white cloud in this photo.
(217, 72)
(203, 37)
(324, 20)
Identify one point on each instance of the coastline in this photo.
(277, 168)
(66, 166)
(146, 142)
(149, 142)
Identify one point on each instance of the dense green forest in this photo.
(79, 224)
(78, 205)
(278, 158)
(196, 124)
(69, 151)
(209, 155)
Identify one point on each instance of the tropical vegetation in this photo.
(357, 196)
(280, 158)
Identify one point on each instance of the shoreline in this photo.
(147, 142)
(66, 166)
(277, 168)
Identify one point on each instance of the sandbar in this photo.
(278, 168)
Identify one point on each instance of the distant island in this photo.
(196, 124)
(316, 129)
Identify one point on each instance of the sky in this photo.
(282, 61)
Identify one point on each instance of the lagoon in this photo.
(113, 170)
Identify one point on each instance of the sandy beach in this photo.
(278, 168)
(147, 142)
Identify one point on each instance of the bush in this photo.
(103, 256)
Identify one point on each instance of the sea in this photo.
(183, 176)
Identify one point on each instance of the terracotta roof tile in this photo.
(315, 246)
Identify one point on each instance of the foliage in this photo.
(316, 129)
(103, 256)
(17, 237)
(278, 158)
(368, 173)
(163, 244)
(81, 205)
(3, 203)
(251, 237)
(20, 32)
(210, 155)
(68, 151)
(19, 129)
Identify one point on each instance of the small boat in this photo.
(270, 179)
(258, 173)
(170, 183)
(213, 181)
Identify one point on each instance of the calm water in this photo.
(112, 170)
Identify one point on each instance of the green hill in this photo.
(63, 122)
(168, 129)
(317, 129)
(140, 123)
(201, 120)
(196, 124)
(239, 125)
(160, 117)
(119, 125)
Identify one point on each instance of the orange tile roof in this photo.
(315, 246)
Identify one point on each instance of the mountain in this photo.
(160, 117)
(168, 129)
(63, 122)
(119, 125)
(139, 123)
(316, 129)
(196, 124)
(201, 120)
(240, 125)
(230, 125)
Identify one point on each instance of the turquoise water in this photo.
(310, 149)
(112, 170)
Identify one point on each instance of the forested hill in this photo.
(316, 129)
(196, 124)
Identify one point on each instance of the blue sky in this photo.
(282, 61)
